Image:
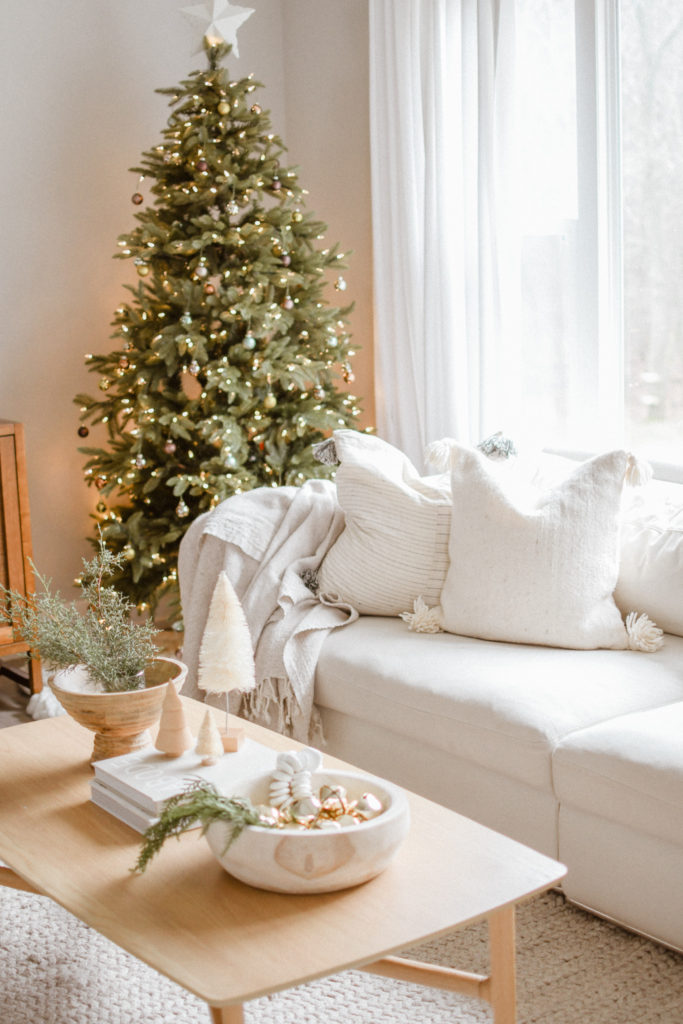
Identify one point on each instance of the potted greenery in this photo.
(107, 669)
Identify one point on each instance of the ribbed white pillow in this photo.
(535, 567)
(394, 546)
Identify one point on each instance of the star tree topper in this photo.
(219, 21)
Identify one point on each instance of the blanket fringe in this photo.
(273, 704)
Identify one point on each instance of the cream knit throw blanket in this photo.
(265, 540)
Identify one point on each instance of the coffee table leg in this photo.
(227, 1014)
(502, 984)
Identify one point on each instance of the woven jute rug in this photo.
(572, 969)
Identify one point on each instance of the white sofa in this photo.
(578, 754)
(575, 752)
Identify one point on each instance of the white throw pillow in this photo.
(394, 545)
(535, 566)
(651, 570)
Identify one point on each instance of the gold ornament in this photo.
(223, 107)
(143, 270)
(270, 401)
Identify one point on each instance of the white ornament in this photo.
(219, 21)
(291, 781)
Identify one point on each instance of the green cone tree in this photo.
(229, 361)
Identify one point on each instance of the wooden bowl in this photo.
(121, 720)
(313, 861)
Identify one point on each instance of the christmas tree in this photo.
(228, 360)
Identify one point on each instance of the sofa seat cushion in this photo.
(628, 770)
(504, 706)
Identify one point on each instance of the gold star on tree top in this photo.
(219, 21)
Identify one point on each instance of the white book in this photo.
(121, 808)
(147, 778)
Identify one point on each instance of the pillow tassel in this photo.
(423, 619)
(643, 634)
(638, 472)
(438, 454)
(326, 452)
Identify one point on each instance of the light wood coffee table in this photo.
(226, 942)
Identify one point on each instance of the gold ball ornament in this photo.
(270, 401)
(297, 216)
(223, 107)
(104, 384)
(143, 270)
(137, 198)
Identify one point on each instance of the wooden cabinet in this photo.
(15, 534)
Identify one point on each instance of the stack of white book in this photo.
(134, 787)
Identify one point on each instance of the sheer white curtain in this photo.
(445, 241)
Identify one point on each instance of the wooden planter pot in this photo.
(121, 721)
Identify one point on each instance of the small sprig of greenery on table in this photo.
(99, 633)
(200, 802)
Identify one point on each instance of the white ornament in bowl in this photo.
(315, 860)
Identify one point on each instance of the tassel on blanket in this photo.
(638, 472)
(643, 634)
(423, 619)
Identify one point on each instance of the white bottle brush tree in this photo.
(226, 658)
(228, 363)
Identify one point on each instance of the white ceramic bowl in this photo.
(314, 860)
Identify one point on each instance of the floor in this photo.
(14, 696)
(13, 699)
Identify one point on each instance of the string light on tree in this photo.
(229, 359)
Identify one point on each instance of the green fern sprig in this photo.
(200, 802)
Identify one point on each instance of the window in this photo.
(600, 107)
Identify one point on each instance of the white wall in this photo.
(328, 135)
(78, 109)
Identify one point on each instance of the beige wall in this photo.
(79, 108)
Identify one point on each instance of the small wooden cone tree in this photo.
(174, 736)
(226, 658)
(209, 740)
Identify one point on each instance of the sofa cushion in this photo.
(535, 566)
(394, 546)
(628, 770)
(503, 706)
